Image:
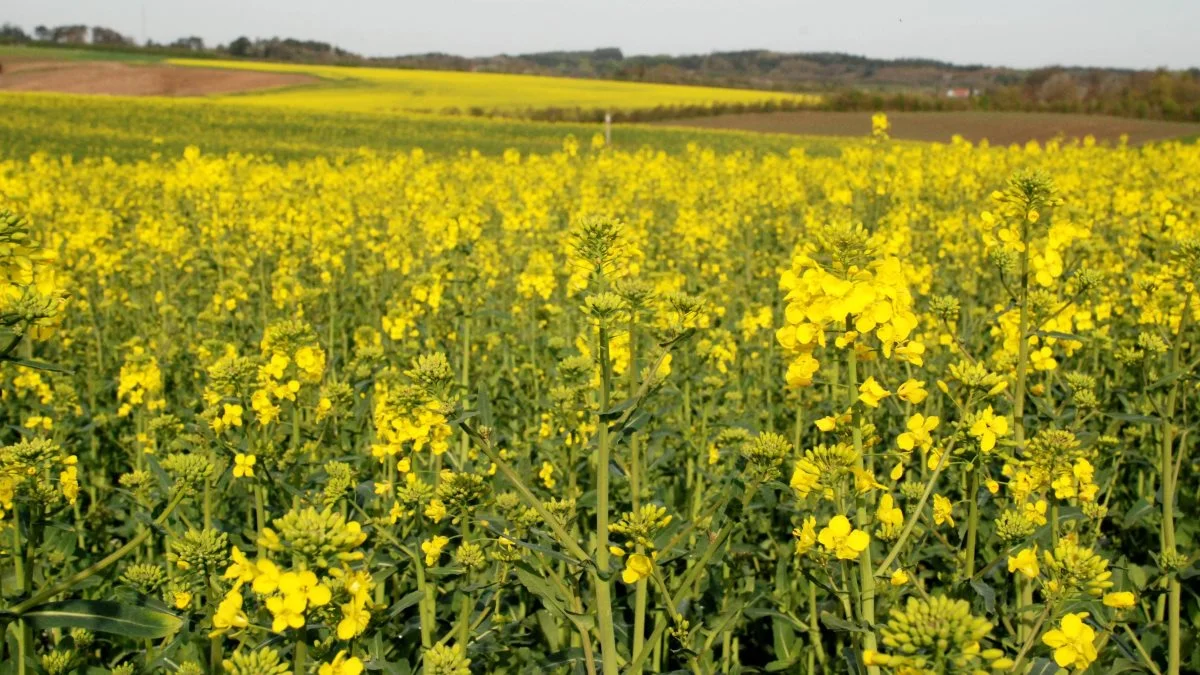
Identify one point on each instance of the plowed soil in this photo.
(128, 79)
(998, 128)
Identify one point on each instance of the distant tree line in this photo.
(270, 49)
(845, 81)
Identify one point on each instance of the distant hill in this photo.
(880, 82)
(848, 82)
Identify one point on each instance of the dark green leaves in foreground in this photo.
(104, 616)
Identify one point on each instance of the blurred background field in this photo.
(127, 129)
(78, 100)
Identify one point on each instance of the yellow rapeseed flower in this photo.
(842, 540)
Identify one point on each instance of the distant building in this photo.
(958, 92)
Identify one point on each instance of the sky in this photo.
(1018, 33)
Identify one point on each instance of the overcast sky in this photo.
(1022, 33)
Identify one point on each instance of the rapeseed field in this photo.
(898, 408)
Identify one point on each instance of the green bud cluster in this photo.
(322, 538)
(263, 661)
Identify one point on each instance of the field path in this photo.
(998, 127)
(129, 79)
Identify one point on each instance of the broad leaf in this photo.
(105, 616)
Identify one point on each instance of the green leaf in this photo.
(838, 624)
(1131, 417)
(1060, 336)
(1043, 666)
(759, 612)
(615, 411)
(850, 655)
(987, 593)
(1121, 665)
(105, 616)
(1137, 575)
(541, 588)
(1140, 509)
(39, 365)
(407, 601)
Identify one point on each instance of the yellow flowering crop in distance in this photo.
(568, 407)
(400, 90)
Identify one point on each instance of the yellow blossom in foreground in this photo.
(342, 665)
(243, 465)
(1073, 642)
(1119, 600)
(918, 434)
(987, 428)
(355, 619)
(432, 548)
(547, 475)
(842, 540)
(637, 568)
(806, 536)
(229, 613)
(888, 514)
(871, 392)
(912, 391)
(943, 511)
(1025, 562)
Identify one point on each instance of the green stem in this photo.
(1022, 341)
(814, 625)
(464, 611)
(608, 640)
(18, 551)
(635, 489)
(71, 581)
(1168, 545)
(914, 516)
(1142, 650)
(300, 667)
(424, 604)
(464, 380)
(866, 578)
(1029, 640)
(972, 519)
(686, 587)
(260, 508)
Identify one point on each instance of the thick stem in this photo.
(1022, 342)
(972, 519)
(814, 625)
(464, 380)
(1168, 546)
(300, 667)
(608, 640)
(424, 604)
(635, 483)
(866, 577)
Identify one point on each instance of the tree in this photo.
(1060, 89)
(75, 35)
(193, 43)
(13, 34)
(41, 34)
(108, 36)
(240, 46)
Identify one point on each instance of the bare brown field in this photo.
(127, 79)
(997, 127)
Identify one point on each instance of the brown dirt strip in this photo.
(128, 79)
(996, 127)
